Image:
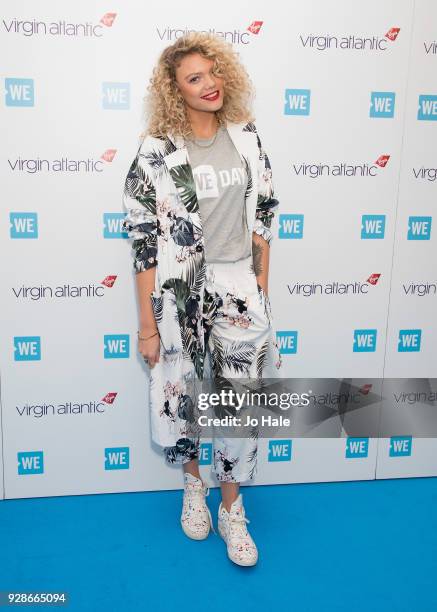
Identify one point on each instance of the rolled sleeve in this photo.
(140, 221)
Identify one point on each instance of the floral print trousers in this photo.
(240, 343)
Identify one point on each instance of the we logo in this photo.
(113, 225)
(280, 450)
(419, 228)
(205, 453)
(427, 108)
(287, 342)
(291, 226)
(23, 224)
(19, 92)
(400, 446)
(357, 448)
(297, 101)
(382, 104)
(117, 458)
(409, 340)
(116, 346)
(27, 348)
(364, 341)
(116, 96)
(372, 227)
(30, 462)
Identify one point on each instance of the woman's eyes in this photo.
(215, 73)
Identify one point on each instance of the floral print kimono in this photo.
(163, 219)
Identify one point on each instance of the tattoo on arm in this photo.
(257, 263)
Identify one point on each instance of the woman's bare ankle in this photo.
(192, 467)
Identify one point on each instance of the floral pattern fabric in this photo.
(163, 220)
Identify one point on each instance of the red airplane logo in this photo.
(109, 398)
(392, 34)
(108, 19)
(109, 155)
(382, 161)
(255, 27)
(365, 389)
(373, 278)
(108, 281)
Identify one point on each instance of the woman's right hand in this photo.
(149, 348)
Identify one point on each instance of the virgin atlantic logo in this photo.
(65, 290)
(334, 287)
(67, 408)
(234, 35)
(61, 28)
(348, 42)
(34, 165)
(342, 169)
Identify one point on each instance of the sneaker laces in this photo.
(198, 494)
(237, 527)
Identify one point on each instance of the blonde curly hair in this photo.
(165, 108)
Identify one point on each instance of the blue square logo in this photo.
(364, 341)
(205, 453)
(427, 108)
(280, 450)
(113, 225)
(19, 92)
(400, 446)
(409, 340)
(287, 342)
(372, 227)
(27, 348)
(297, 101)
(30, 462)
(116, 346)
(382, 104)
(419, 228)
(357, 448)
(116, 96)
(291, 226)
(23, 224)
(117, 458)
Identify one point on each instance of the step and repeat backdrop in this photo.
(346, 106)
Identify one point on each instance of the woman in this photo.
(199, 200)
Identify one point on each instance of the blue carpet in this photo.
(330, 546)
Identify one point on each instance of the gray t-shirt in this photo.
(221, 180)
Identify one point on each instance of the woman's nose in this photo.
(210, 81)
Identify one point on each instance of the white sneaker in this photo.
(195, 518)
(232, 527)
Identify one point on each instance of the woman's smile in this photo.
(212, 97)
